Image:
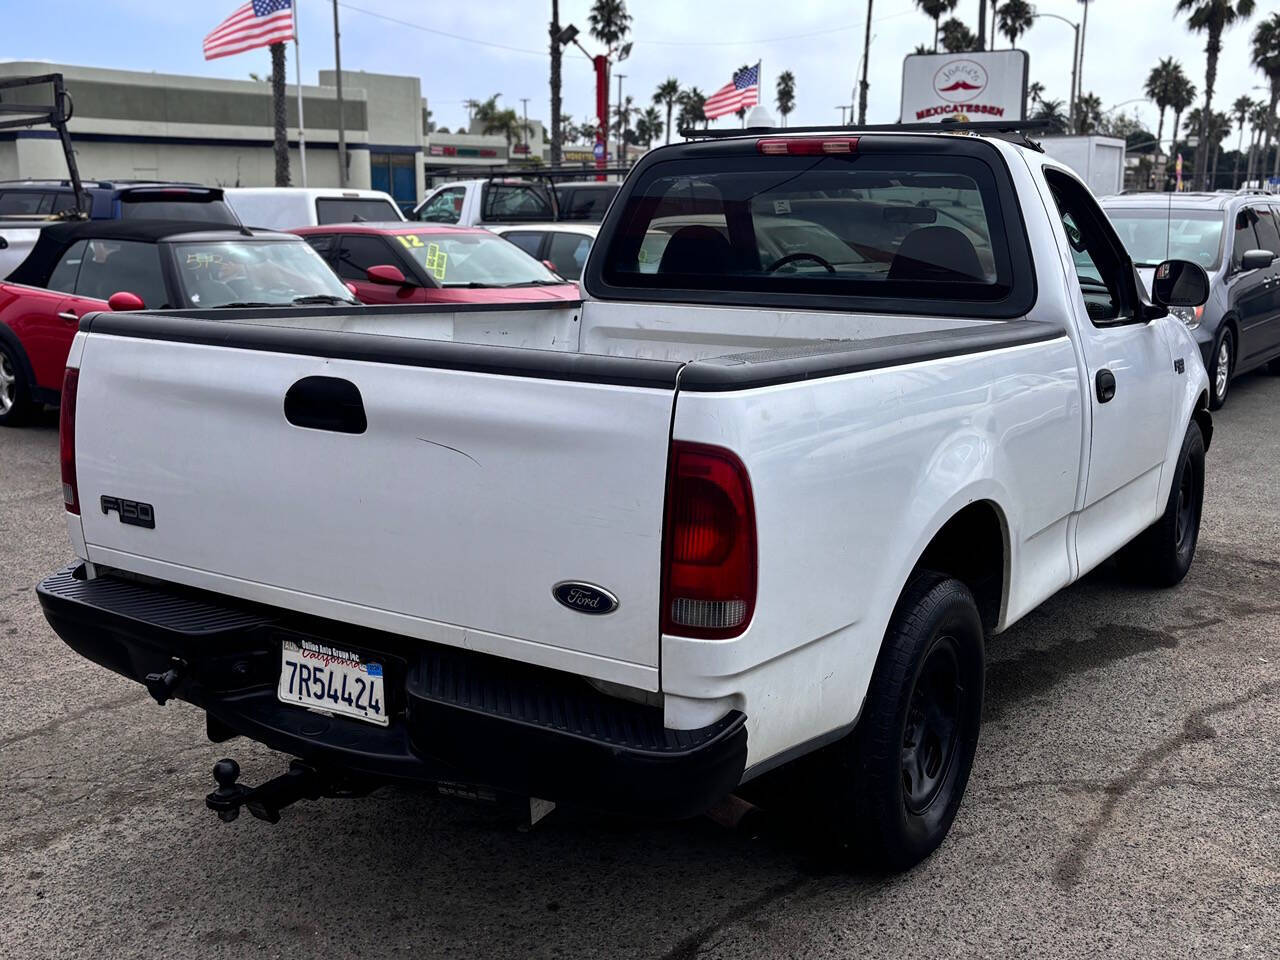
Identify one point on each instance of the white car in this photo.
(287, 208)
(508, 200)
(563, 246)
(834, 410)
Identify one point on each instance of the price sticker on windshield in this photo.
(437, 261)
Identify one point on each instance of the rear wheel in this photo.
(1162, 554)
(900, 777)
(15, 392)
(1223, 366)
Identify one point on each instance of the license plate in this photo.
(331, 681)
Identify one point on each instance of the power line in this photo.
(441, 33)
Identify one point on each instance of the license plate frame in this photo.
(352, 685)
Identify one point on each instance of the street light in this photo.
(1075, 63)
(600, 62)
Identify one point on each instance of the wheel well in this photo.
(971, 547)
(10, 339)
(1203, 418)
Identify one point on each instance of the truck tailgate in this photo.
(474, 489)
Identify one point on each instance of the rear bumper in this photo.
(456, 717)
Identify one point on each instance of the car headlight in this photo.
(1188, 315)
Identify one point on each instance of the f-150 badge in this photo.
(584, 597)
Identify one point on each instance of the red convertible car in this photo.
(390, 263)
(85, 266)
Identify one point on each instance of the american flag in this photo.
(258, 23)
(742, 92)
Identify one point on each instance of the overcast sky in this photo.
(700, 42)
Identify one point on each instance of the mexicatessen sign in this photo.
(966, 86)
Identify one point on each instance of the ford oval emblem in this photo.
(585, 597)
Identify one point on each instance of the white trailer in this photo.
(1098, 160)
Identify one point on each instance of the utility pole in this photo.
(621, 142)
(556, 44)
(524, 101)
(982, 26)
(342, 127)
(866, 57)
(1084, 26)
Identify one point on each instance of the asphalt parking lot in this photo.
(1125, 800)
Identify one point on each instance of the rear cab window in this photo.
(896, 224)
(352, 209)
(515, 202)
(206, 206)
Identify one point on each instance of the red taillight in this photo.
(67, 439)
(806, 146)
(709, 553)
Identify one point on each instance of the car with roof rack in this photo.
(520, 197)
(80, 267)
(1235, 237)
(836, 406)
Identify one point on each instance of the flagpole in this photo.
(297, 63)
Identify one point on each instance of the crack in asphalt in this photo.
(1195, 729)
(696, 942)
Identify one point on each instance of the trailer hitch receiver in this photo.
(299, 782)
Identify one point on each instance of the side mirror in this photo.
(1256, 259)
(1180, 283)
(551, 265)
(386, 274)
(124, 300)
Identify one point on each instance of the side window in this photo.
(63, 278)
(110, 266)
(1100, 266)
(515, 201)
(568, 251)
(1246, 238)
(444, 207)
(63, 202)
(527, 240)
(357, 254)
(322, 245)
(1268, 236)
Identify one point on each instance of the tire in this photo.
(901, 774)
(1273, 366)
(15, 392)
(1223, 367)
(1162, 554)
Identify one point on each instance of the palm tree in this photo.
(610, 24)
(494, 119)
(667, 94)
(649, 126)
(1088, 113)
(956, 37)
(1262, 121)
(1052, 111)
(1016, 18)
(1240, 110)
(786, 94)
(1035, 92)
(279, 117)
(1181, 97)
(1161, 81)
(1266, 57)
(691, 103)
(935, 10)
(1211, 17)
(922, 48)
(622, 115)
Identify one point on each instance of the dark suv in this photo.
(1236, 238)
(115, 200)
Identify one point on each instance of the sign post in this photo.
(965, 86)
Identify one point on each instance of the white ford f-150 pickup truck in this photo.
(834, 409)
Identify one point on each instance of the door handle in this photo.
(325, 403)
(1105, 382)
(69, 316)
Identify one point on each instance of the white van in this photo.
(284, 208)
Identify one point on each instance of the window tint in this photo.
(585, 203)
(63, 278)
(357, 254)
(1100, 267)
(568, 251)
(322, 244)
(349, 209)
(110, 266)
(1268, 237)
(530, 241)
(1154, 234)
(143, 206)
(515, 201)
(1246, 238)
(24, 203)
(444, 207)
(912, 227)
